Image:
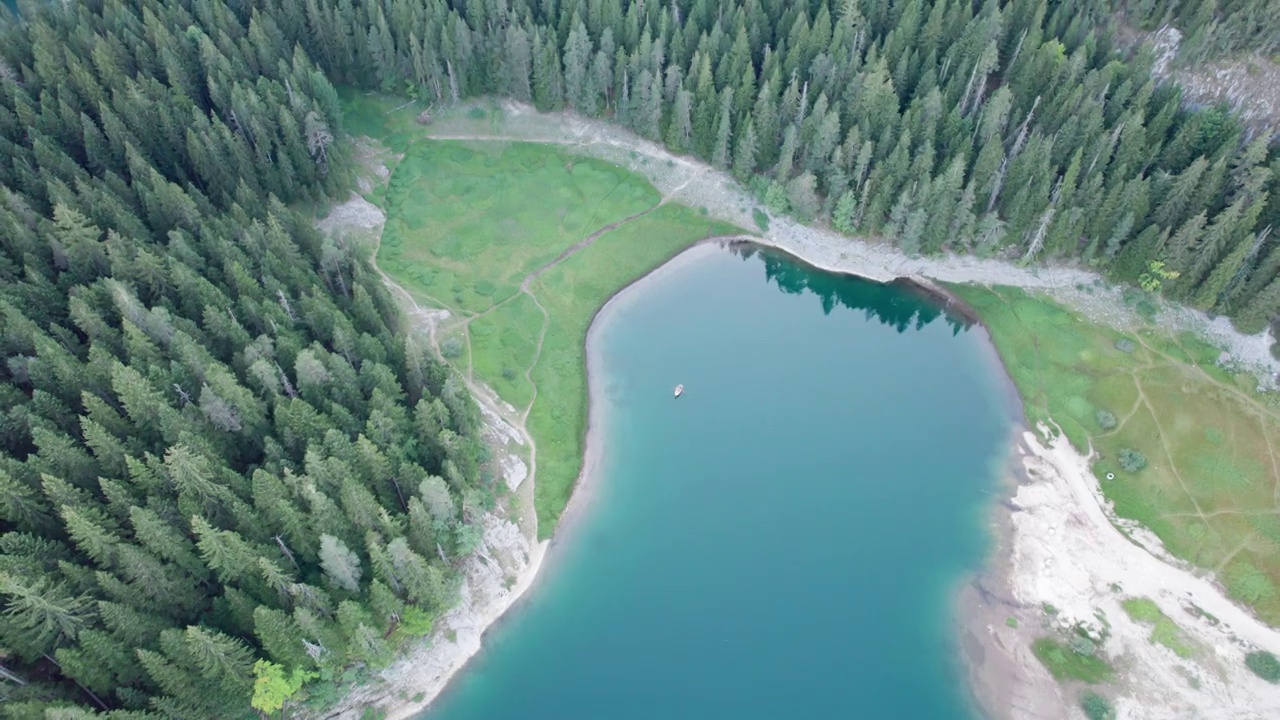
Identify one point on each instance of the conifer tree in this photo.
(744, 152)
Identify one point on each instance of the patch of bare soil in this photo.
(354, 216)
(1249, 83)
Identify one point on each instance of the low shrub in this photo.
(1147, 309)
(761, 218)
(1131, 460)
(775, 197)
(451, 348)
(1097, 707)
(1082, 645)
(1264, 665)
(1106, 419)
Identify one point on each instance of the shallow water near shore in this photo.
(782, 541)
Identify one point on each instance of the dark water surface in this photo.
(784, 541)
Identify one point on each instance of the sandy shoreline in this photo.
(1066, 552)
(1052, 539)
(1005, 681)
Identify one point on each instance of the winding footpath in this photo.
(525, 288)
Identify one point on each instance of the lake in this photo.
(786, 539)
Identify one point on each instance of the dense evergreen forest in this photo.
(225, 470)
(1018, 126)
(218, 445)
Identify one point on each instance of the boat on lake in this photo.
(679, 391)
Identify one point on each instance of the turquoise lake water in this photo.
(785, 540)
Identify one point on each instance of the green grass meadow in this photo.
(380, 117)
(1163, 630)
(507, 339)
(469, 222)
(1065, 663)
(1209, 487)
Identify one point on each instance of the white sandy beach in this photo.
(1058, 546)
(1066, 552)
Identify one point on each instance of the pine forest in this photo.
(228, 472)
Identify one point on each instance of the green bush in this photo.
(1264, 665)
(1097, 707)
(775, 197)
(1106, 419)
(451, 348)
(1125, 345)
(1131, 460)
(1146, 309)
(322, 694)
(1083, 645)
(416, 622)
(802, 197)
(761, 218)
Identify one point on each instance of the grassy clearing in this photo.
(1164, 631)
(505, 342)
(1206, 439)
(380, 117)
(469, 223)
(1065, 663)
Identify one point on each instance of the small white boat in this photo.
(679, 391)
